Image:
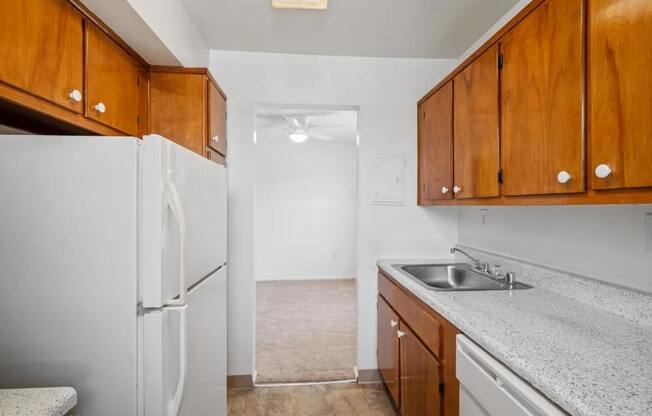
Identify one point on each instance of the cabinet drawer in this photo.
(424, 325)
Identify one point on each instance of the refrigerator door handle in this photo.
(175, 403)
(176, 207)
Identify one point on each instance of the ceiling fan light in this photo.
(298, 136)
(300, 4)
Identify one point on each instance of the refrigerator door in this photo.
(164, 360)
(205, 393)
(183, 220)
(68, 274)
(184, 354)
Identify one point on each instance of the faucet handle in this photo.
(510, 277)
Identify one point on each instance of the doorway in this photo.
(305, 244)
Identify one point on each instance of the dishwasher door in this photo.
(489, 388)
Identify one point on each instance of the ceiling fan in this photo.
(300, 129)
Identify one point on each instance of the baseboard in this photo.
(239, 381)
(367, 376)
(302, 278)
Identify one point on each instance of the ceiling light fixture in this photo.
(300, 4)
(298, 136)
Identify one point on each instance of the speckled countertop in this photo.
(47, 401)
(587, 360)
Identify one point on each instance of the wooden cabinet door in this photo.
(620, 92)
(217, 119)
(112, 83)
(420, 377)
(388, 358)
(179, 107)
(41, 49)
(435, 146)
(542, 82)
(476, 149)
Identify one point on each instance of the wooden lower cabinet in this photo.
(416, 353)
(420, 377)
(388, 346)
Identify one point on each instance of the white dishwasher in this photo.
(489, 388)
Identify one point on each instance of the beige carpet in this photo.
(305, 331)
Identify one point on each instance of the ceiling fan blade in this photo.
(319, 136)
(292, 121)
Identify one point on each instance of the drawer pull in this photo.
(75, 95)
(563, 177)
(603, 171)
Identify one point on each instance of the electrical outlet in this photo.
(484, 217)
(648, 231)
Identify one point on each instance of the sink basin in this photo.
(453, 277)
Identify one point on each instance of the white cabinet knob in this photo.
(456, 189)
(100, 107)
(602, 171)
(563, 177)
(216, 138)
(444, 190)
(393, 323)
(400, 334)
(75, 95)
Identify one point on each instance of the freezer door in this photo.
(183, 220)
(205, 393)
(184, 354)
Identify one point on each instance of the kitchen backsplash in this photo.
(628, 303)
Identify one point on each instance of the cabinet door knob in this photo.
(216, 138)
(400, 334)
(563, 177)
(75, 95)
(100, 107)
(456, 189)
(393, 323)
(602, 171)
(444, 190)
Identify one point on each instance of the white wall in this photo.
(386, 91)
(161, 31)
(171, 22)
(495, 28)
(306, 208)
(603, 242)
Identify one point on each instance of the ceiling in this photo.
(338, 124)
(380, 28)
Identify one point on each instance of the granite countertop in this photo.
(47, 401)
(589, 361)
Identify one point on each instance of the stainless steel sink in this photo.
(454, 277)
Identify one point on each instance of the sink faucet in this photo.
(484, 267)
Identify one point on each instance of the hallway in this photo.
(305, 331)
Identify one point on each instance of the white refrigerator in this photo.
(113, 273)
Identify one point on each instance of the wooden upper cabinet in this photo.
(542, 82)
(388, 345)
(113, 83)
(620, 93)
(420, 377)
(178, 108)
(216, 119)
(435, 146)
(476, 115)
(41, 50)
